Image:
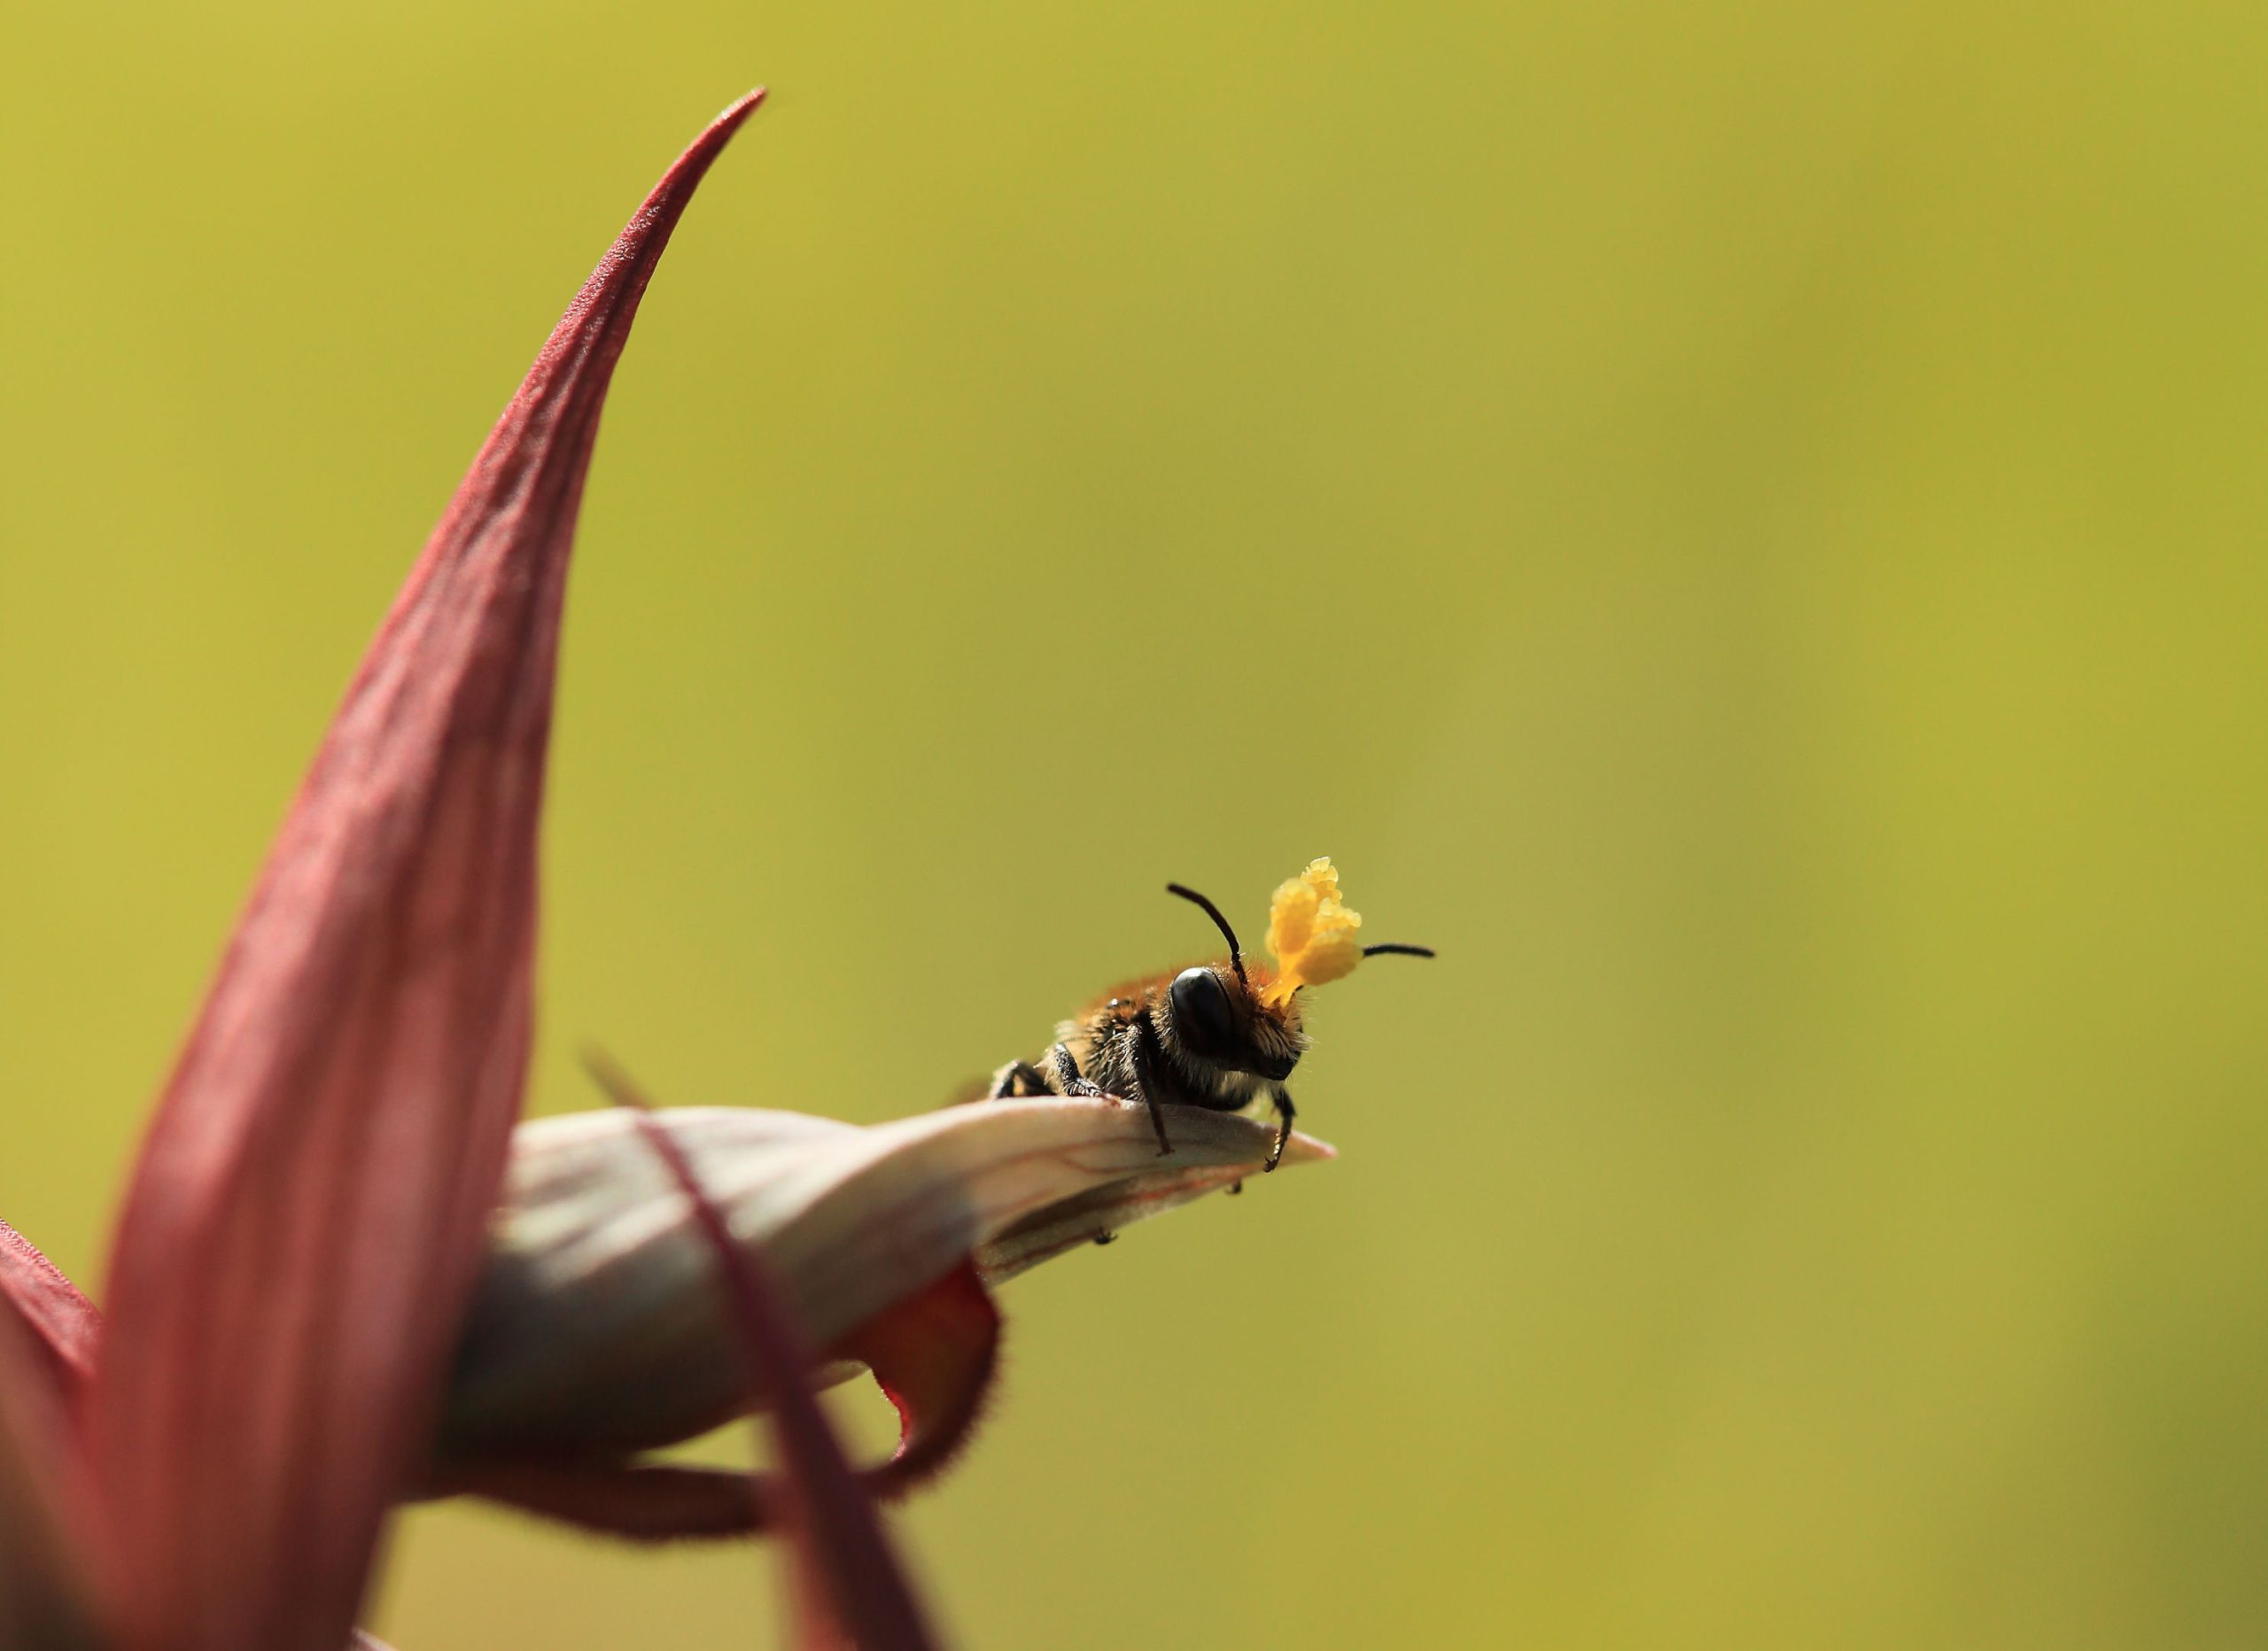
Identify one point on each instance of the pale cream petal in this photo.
(599, 1325)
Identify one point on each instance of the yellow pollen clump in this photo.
(1311, 932)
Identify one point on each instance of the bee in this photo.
(1213, 1035)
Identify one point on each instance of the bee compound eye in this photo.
(1201, 1011)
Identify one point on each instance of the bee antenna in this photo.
(1236, 952)
(1404, 951)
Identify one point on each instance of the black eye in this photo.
(1200, 1011)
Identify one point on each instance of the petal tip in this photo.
(739, 109)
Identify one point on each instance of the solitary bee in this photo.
(1218, 1035)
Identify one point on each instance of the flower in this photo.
(1311, 932)
(311, 1282)
(597, 1334)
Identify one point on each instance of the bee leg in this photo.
(1282, 1097)
(1017, 1078)
(1063, 1069)
(1141, 1043)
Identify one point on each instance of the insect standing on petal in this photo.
(1219, 1035)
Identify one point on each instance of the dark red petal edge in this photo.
(854, 1590)
(307, 1214)
(61, 1324)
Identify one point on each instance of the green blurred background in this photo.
(1739, 525)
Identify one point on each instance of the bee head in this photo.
(1219, 1018)
(1221, 1014)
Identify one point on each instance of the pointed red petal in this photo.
(61, 1324)
(306, 1218)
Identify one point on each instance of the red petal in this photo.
(44, 1598)
(61, 1324)
(635, 1500)
(307, 1217)
(933, 1353)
